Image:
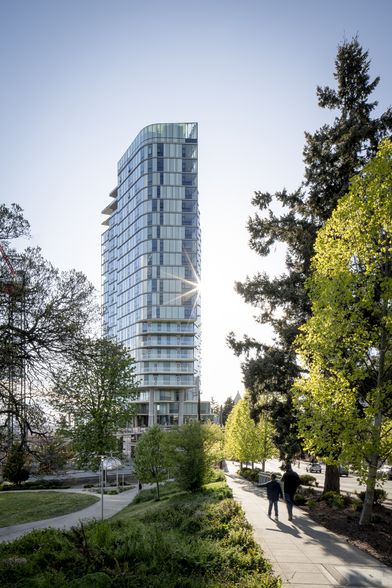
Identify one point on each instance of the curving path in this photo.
(112, 505)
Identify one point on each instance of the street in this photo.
(347, 483)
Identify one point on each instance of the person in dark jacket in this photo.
(273, 492)
(291, 481)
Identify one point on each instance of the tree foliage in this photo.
(95, 392)
(150, 463)
(190, 453)
(332, 156)
(244, 439)
(14, 470)
(45, 316)
(228, 406)
(346, 346)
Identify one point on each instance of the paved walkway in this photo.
(301, 552)
(112, 505)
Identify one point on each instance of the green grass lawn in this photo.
(26, 507)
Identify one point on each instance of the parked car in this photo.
(343, 471)
(385, 470)
(314, 467)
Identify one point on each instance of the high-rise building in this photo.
(151, 270)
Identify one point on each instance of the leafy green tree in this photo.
(332, 156)
(188, 452)
(149, 460)
(14, 470)
(45, 316)
(346, 346)
(228, 406)
(52, 453)
(244, 439)
(95, 394)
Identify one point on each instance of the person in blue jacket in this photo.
(273, 492)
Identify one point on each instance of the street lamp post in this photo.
(102, 460)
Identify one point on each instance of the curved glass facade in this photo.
(151, 269)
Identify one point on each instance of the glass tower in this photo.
(151, 270)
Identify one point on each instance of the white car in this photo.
(314, 467)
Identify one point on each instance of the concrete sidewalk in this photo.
(112, 505)
(303, 553)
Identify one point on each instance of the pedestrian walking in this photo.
(273, 492)
(291, 481)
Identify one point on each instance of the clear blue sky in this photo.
(81, 78)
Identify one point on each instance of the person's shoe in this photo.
(276, 519)
(269, 516)
(290, 518)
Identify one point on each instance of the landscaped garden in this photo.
(185, 540)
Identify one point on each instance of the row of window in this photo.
(166, 366)
(153, 155)
(161, 133)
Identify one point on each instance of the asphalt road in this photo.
(347, 483)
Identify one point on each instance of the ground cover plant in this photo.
(340, 514)
(184, 540)
(26, 507)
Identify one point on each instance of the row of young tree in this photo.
(58, 379)
(333, 311)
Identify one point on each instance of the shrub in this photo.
(112, 492)
(376, 518)
(307, 479)
(299, 499)
(379, 496)
(88, 486)
(357, 505)
(14, 470)
(311, 504)
(333, 499)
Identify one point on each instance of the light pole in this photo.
(102, 460)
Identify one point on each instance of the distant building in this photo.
(237, 398)
(151, 257)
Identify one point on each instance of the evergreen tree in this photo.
(332, 156)
(14, 470)
(228, 406)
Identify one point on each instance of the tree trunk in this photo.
(253, 466)
(332, 479)
(263, 468)
(157, 490)
(367, 509)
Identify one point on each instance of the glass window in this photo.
(161, 179)
(161, 245)
(160, 164)
(160, 149)
(150, 193)
(154, 205)
(154, 285)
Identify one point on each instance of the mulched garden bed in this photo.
(374, 539)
